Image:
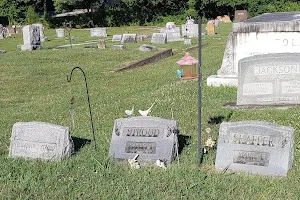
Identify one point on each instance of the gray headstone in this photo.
(40, 140)
(190, 30)
(2, 51)
(269, 79)
(42, 36)
(255, 147)
(98, 32)
(139, 38)
(152, 138)
(31, 38)
(159, 38)
(60, 33)
(173, 34)
(128, 38)
(145, 47)
(117, 38)
(118, 47)
(101, 44)
(187, 41)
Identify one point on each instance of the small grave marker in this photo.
(60, 33)
(101, 44)
(152, 138)
(240, 15)
(210, 29)
(159, 38)
(117, 38)
(118, 47)
(187, 41)
(40, 140)
(128, 38)
(145, 47)
(255, 147)
(98, 32)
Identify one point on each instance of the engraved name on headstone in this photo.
(98, 32)
(128, 38)
(269, 79)
(256, 147)
(117, 38)
(40, 140)
(159, 38)
(152, 138)
(31, 38)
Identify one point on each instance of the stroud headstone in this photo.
(31, 38)
(98, 32)
(269, 79)
(118, 47)
(117, 38)
(40, 140)
(42, 36)
(152, 138)
(145, 47)
(240, 15)
(159, 38)
(264, 34)
(255, 147)
(60, 33)
(128, 38)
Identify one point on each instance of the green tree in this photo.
(31, 16)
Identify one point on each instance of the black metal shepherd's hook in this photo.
(88, 98)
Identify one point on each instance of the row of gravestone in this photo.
(249, 146)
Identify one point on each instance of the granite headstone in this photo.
(255, 147)
(152, 138)
(40, 140)
(128, 38)
(240, 15)
(41, 27)
(269, 79)
(117, 38)
(60, 33)
(31, 38)
(159, 38)
(118, 47)
(98, 32)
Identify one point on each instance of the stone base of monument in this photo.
(26, 47)
(152, 138)
(40, 140)
(218, 81)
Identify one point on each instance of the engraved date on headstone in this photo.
(251, 158)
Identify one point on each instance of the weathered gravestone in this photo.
(128, 38)
(152, 138)
(210, 29)
(187, 41)
(269, 79)
(173, 34)
(145, 47)
(139, 38)
(31, 38)
(60, 33)
(240, 15)
(264, 34)
(118, 47)
(117, 38)
(101, 44)
(255, 147)
(190, 30)
(42, 36)
(159, 38)
(40, 140)
(98, 32)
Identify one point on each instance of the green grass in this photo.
(34, 88)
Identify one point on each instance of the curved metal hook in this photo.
(88, 99)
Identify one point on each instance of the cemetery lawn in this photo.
(34, 87)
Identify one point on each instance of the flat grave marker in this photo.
(159, 38)
(40, 140)
(98, 32)
(255, 147)
(128, 38)
(240, 15)
(152, 138)
(117, 38)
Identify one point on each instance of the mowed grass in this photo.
(34, 87)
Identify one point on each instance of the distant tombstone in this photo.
(139, 38)
(117, 38)
(31, 38)
(128, 38)
(269, 79)
(40, 140)
(145, 47)
(226, 19)
(42, 36)
(255, 147)
(240, 15)
(118, 47)
(101, 44)
(98, 32)
(2, 51)
(159, 38)
(190, 30)
(188, 41)
(152, 138)
(1, 31)
(210, 29)
(217, 24)
(60, 33)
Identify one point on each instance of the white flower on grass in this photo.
(209, 142)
